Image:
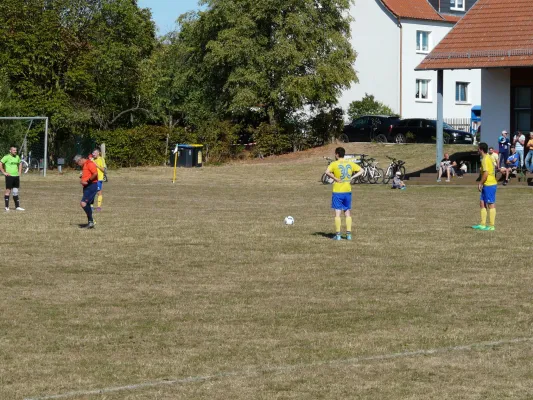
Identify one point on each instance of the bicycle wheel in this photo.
(326, 180)
(379, 175)
(25, 166)
(387, 176)
(402, 171)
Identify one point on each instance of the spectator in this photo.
(503, 149)
(397, 183)
(529, 157)
(512, 165)
(446, 166)
(494, 156)
(463, 168)
(518, 141)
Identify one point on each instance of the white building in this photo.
(391, 38)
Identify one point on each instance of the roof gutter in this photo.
(401, 64)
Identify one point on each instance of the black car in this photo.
(421, 130)
(370, 128)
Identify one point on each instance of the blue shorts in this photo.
(89, 192)
(488, 194)
(341, 201)
(100, 184)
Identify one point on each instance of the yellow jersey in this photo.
(343, 170)
(487, 165)
(101, 163)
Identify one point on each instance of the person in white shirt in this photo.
(518, 141)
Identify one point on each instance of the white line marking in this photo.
(280, 368)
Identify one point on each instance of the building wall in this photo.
(375, 38)
(495, 104)
(413, 108)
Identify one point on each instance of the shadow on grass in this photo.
(324, 234)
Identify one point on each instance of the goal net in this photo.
(30, 136)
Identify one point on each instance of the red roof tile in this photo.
(493, 34)
(414, 9)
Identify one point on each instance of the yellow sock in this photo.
(492, 216)
(348, 224)
(100, 197)
(337, 224)
(483, 217)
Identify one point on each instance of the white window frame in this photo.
(421, 99)
(419, 35)
(455, 7)
(467, 93)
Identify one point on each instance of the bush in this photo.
(269, 140)
(368, 105)
(141, 146)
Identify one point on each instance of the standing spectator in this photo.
(503, 149)
(529, 157)
(89, 181)
(512, 165)
(446, 166)
(518, 141)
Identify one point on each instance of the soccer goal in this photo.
(31, 140)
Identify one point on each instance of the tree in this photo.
(368, 105)
(268, 58)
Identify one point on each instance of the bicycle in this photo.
(30, 164)
(325, 179)
(371, 172)
(394, 166)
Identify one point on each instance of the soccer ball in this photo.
(289, 220)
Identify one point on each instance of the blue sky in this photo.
(166, 12)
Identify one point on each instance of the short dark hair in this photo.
(483, 147)
(340, 151)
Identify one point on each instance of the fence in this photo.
(462, 124)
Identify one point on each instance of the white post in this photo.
(45, 164)
(440, 116)
(102, 149)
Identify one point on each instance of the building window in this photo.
(422, 89)
(422, 41)
(461, 92)
(458, 5)
(522, 108)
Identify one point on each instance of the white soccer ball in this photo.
(289, 220)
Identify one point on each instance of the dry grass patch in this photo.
(202, 278)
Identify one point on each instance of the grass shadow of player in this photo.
(324, 234)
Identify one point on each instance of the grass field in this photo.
(198, 291)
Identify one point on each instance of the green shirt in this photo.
(11, 164)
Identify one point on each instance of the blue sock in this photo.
(89, 211)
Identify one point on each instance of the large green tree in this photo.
(270, 57)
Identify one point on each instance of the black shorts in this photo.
(12, 182)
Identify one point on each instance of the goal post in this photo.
(45, 150)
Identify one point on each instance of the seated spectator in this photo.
(512, 165)
(397, 183)
(463, 169)
(446, 166)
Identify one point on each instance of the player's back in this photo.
(343, 170)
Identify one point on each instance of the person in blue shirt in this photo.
(503, 149)
(512, 164)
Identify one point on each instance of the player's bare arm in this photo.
(330, 174)
(3, 170)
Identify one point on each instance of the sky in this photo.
(166, 12)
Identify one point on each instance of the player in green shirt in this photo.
(11, 167)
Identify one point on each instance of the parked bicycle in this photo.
(29, 164)
(325, 179)
(394, 166)
(371, 172)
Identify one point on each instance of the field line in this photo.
(281, 368)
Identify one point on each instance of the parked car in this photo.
(421, 130)
(370, 128)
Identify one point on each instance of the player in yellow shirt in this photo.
(342, 172)
(100, 166)
(487, 186)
